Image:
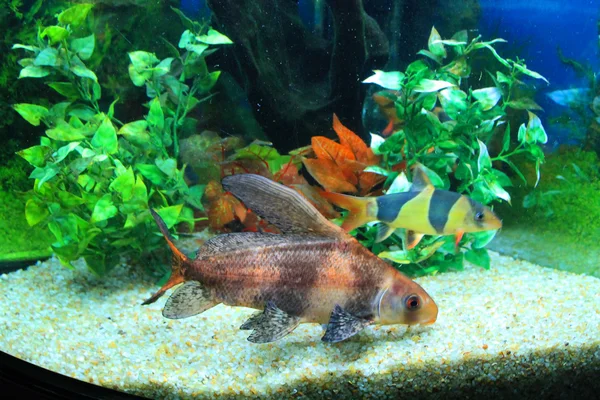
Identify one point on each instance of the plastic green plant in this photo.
(466, 152)
(95, 176)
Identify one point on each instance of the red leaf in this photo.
(329, 175)
(328, 149)
(312, 195)
(352, 141)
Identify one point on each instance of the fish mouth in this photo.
(429, 321)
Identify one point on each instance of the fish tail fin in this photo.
(179, 261)
(359, 207)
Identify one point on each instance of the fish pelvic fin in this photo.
(178, 263)
(361, 209)
(343, 325)
(384, 231)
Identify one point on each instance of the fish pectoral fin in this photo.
(412, 239)
(190, 299)
(270, 325)
(343, 325)
(383, 232)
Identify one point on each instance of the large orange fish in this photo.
(312, 273)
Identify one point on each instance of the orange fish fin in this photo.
(358, 208)
(179, 261)
(457, 239)
(412, 239)
(388, 129)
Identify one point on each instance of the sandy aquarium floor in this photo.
(517, 328)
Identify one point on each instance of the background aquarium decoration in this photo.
(425, 221)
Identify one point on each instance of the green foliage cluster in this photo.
(95, 176)
(567, 200)
(16, 233)
(467, 152)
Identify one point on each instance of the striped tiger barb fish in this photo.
(423, 210)
(312, 273)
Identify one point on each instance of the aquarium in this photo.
(300, 199)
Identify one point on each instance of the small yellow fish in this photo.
(424, 210)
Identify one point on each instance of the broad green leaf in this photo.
(69, 200)
(152, 173)
(25, 62)
(32, 113)
(398, 256)
(399, 185)
(104, 209)
(376, 141)
(535, 130)
(377, 170)
(75, 15)
(389, 80)
(32, 71)
(479, 257)
(482, 238)
(43, 175)
(453, 101)
(82, 71)
(450, 42)
(434, 45)
(55, 34)
(429, 54)
(66, 89)
(499, 191)
(135, 132)
(105, 137)
(523, 69)
(187, 37)
(502, 78)
(213, 37)
(64, 151)
(35, 211)
(571, 97)
(36, 155)
(163, 67)
(483, 161)
(84, 47)
(429, 85)
(47, 57)
(142, 60)
(156, 117)
(196, 48)
(194, 196)
(208, 81)
(82, 112)
(138, 78)
(168, 166)
(123, 184)
(170, 214)
(487, 97)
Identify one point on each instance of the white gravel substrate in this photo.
(517, 322)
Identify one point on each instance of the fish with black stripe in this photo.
(423, 210)
(312, 273)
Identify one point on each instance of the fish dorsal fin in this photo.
(420, 179)
(252, 240)
(282, 206)
(189, 299)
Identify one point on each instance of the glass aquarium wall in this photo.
(300, 199)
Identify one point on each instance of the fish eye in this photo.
(479, 216)
(412, 302)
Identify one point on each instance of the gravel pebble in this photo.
(514, 321)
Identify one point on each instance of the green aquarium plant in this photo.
(461, 135)
(96, 176)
